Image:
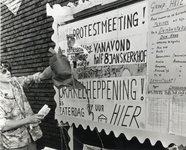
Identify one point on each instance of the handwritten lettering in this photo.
(115, 45)
(164, 23)
(161, 80)
(177, 88)
(162, 56)
(179, 61)
(99, 107)
(178, 55)
(175, 3)
(115, 58)
(159, 51)
(125, 115)
(109, 25)
(159, 61)
(107, 89)
(155, 6)
(72, 111)
(174, 41)
(163, 30)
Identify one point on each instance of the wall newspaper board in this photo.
(167, 40)
(167, 66)
(119, 82)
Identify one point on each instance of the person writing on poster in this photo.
(16, 115)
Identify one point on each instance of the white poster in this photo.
(167, 40)
(167, 67)
(115, 71)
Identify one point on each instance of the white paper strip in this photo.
(13, 5)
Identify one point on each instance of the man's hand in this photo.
(36, 118)
(46, 74)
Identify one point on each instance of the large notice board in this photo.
(134, 72)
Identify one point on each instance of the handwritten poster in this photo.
(115, 70)
(114, 38)
(167, 67)
(167, 40)
(114, 101)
